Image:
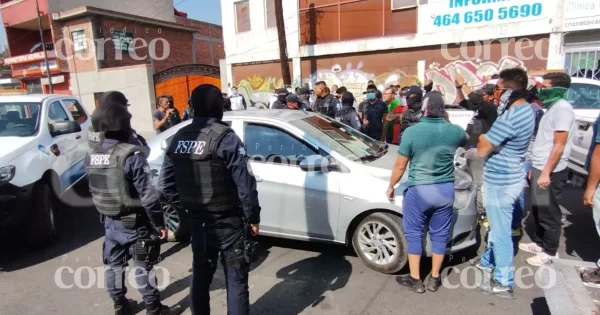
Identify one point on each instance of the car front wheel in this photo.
(42, 227)
(380, 243)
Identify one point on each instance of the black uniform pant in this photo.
(117, 251)
(205, 255)
(546, 211)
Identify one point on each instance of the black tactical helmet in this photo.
(108, 100)
(111, 119)
(207, 101)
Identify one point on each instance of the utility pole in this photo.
(37, 7)
(285, 68)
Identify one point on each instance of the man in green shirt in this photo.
(429, 147)
(390, 99)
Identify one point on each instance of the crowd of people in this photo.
(517, 142)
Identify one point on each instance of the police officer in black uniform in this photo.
(348, 114)
(121, 188)
(112, 98)
(205, 171)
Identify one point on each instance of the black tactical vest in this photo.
(346, 113)
(112, 194)
(409, 118)
(203, 181)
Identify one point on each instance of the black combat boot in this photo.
(122, 306)
(159, 309)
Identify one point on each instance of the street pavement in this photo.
(290, 277)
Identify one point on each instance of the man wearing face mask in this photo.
(304, 96)
(504, 147)
(281, 102)
(484, 117)
(549, 174)
(428, 86)
(390, 99)
(374, 115)
(413, 112)
(237, 101)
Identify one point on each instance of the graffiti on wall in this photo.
(258, 89)
(476, 73)
(355, 79)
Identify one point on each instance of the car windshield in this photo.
(19, 119)
(584, 96)
(341, 138)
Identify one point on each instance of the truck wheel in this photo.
(177, 223)
(42, 227)
(379, 241)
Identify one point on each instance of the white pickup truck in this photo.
(43, 142)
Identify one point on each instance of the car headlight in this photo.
(7, 173)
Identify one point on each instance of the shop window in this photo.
(79, 40)
(242, 16)
(270, 13)
(123, 41)
(583, 64)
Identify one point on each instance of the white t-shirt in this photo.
(237, 102)
(560, 117)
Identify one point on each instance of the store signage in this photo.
(28, 58)
(442, 15)
(581, 15)
(55, 80)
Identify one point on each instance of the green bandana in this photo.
(550, 96)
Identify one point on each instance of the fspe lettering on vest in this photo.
(100, 159)
(186, 147)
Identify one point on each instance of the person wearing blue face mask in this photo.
(373, 114)
(237, 101)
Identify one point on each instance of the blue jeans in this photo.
(520, 207)
(499, 202)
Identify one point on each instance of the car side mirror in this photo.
(317, 163)
(64, 127)
(164, 144)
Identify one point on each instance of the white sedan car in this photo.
(319, 180)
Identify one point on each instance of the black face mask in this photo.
(429, 87)
(413, 102)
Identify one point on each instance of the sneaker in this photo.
(434, 283)
(540, 259)
(516, 232)
(416, 285)
(498, 290)
(476, 262)
(531, 248)
(590, 277)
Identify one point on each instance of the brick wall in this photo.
(78, 61)
(203, 46)
(179, 44)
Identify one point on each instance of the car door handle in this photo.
(154, 172)
(78, 137)
(258, 178)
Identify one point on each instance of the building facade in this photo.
(395, 41)
(145, 49)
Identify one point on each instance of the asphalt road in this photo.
(289, 278)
